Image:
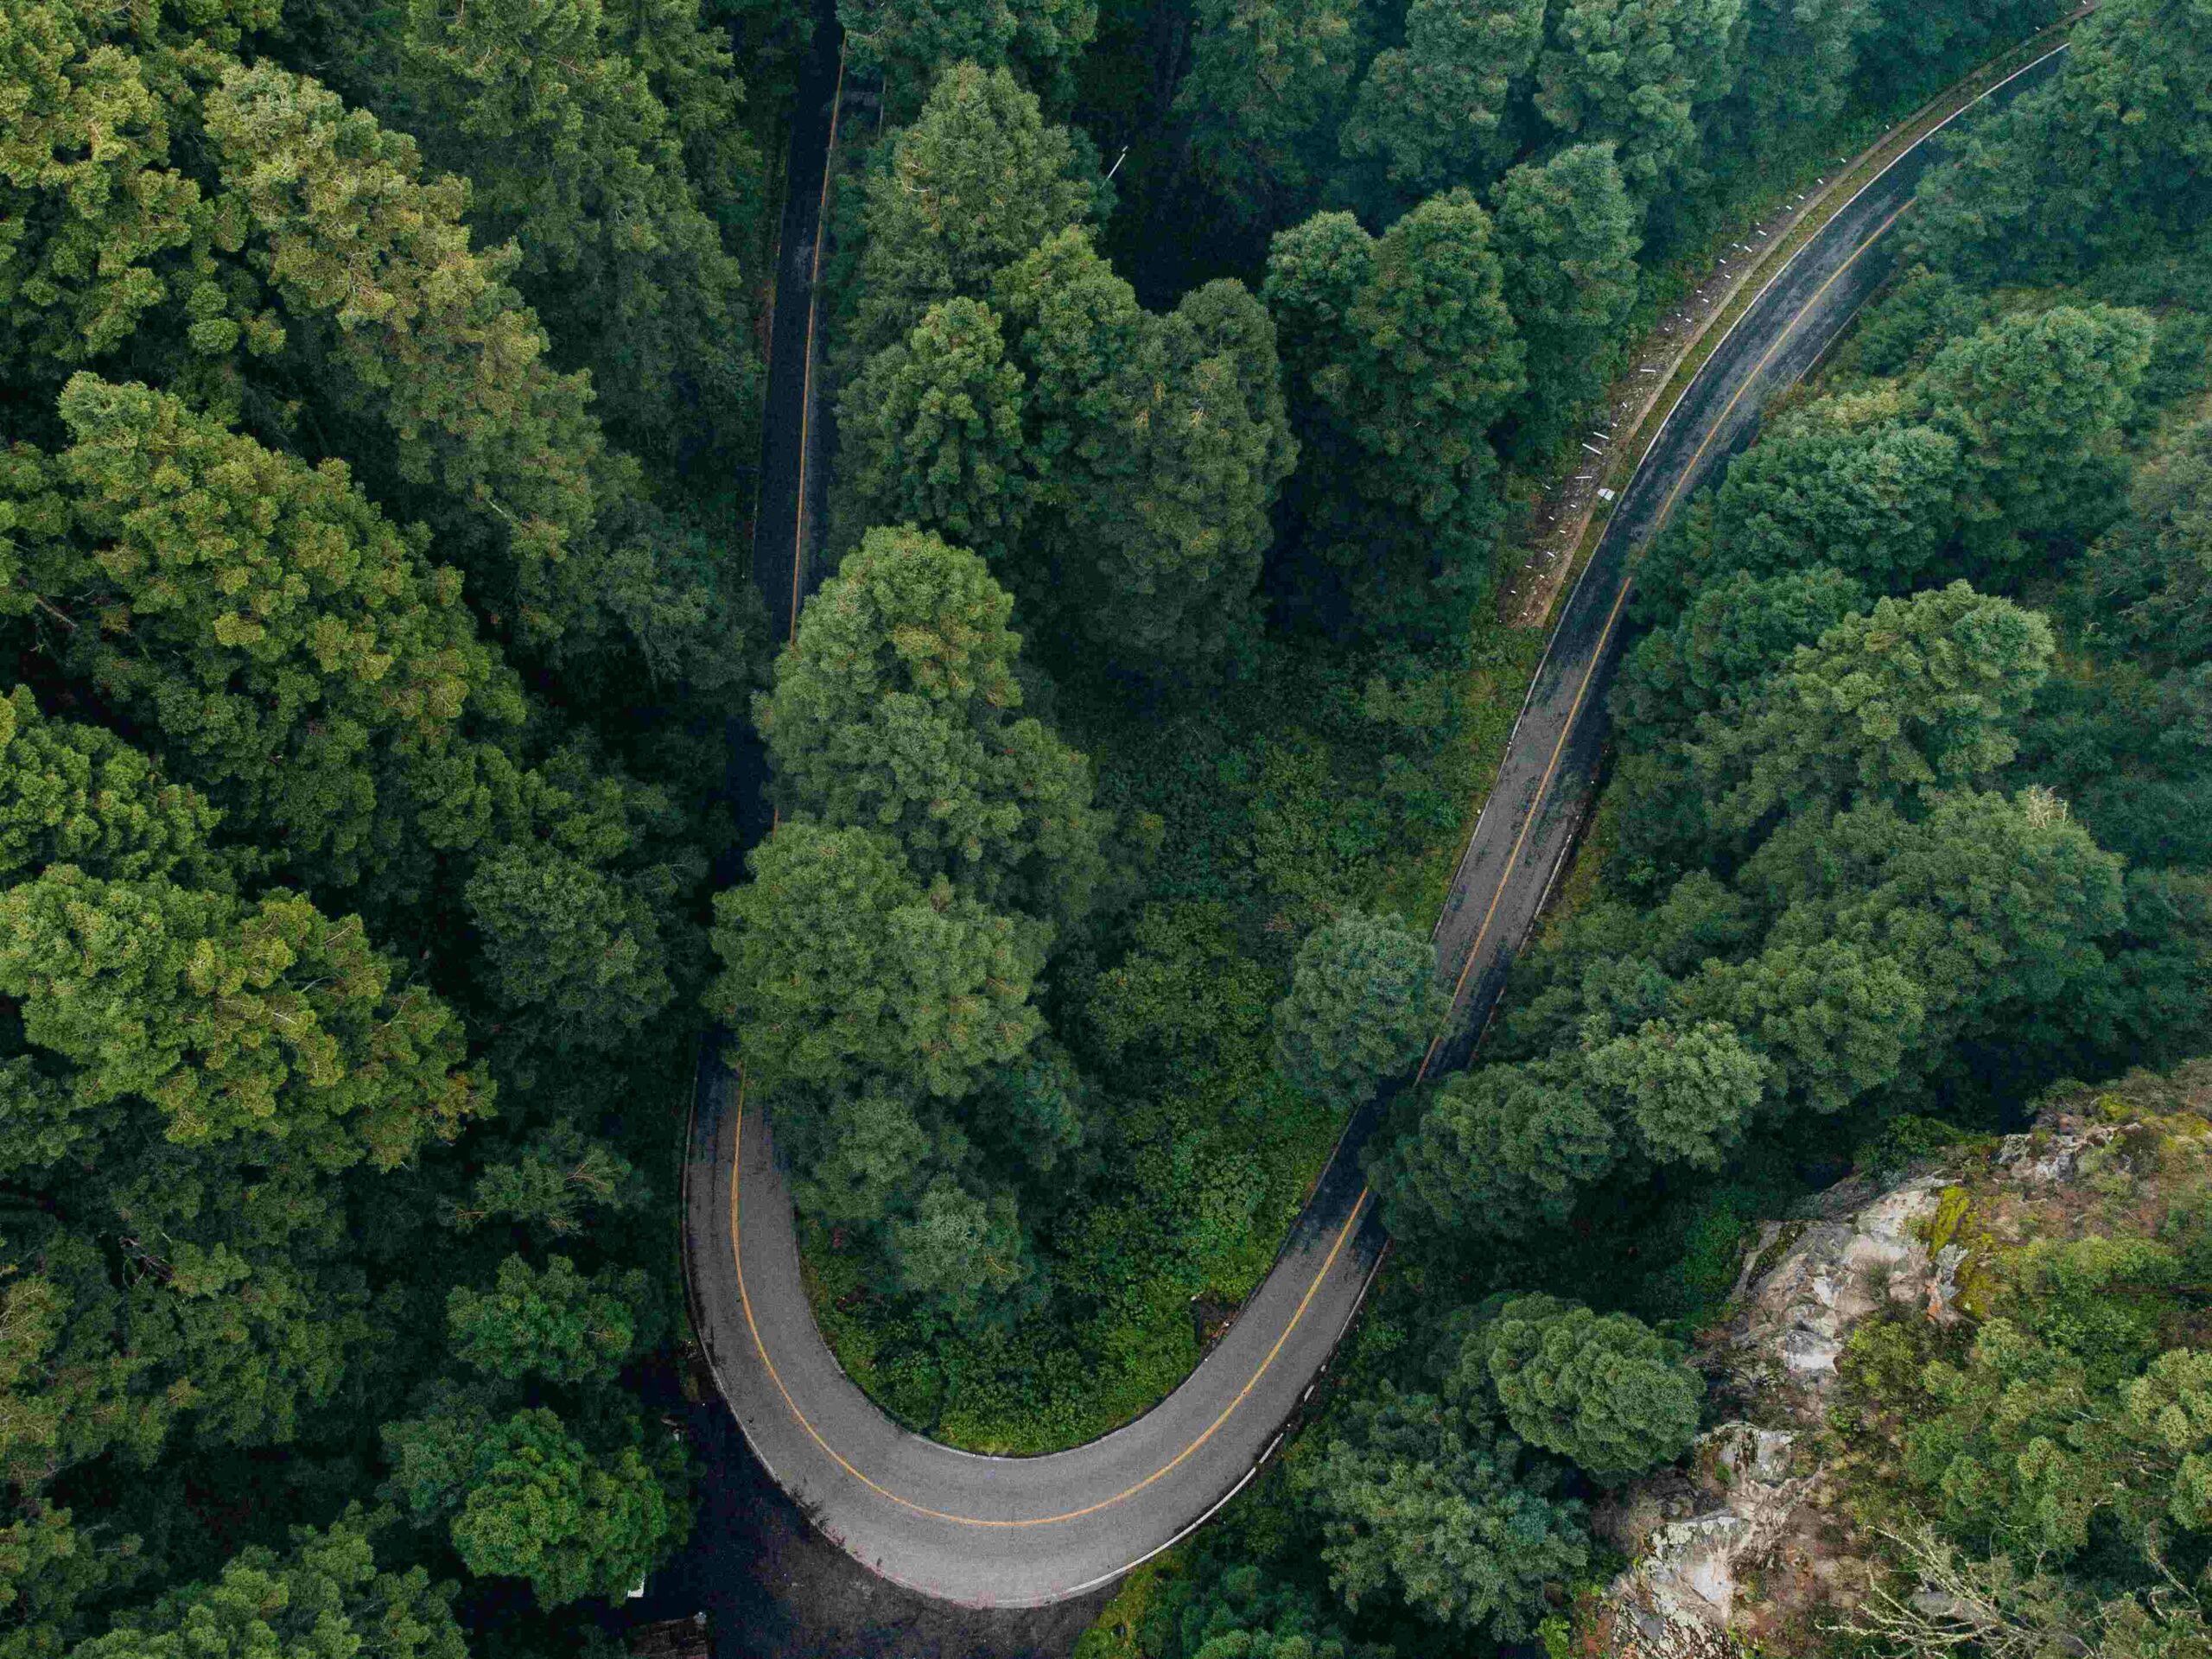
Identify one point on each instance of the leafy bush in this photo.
(1363, 1004)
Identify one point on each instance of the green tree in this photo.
(548, 1185)
(1720, 653)
(1498, 1152)
(2111, 156)
(1883, 504)
(324, 1595)
(428, 372)
(1916, 695)
(1159, 443)
(1031, 1113)
(1364, 1003)
(97, 217)
(573, 158)
(267, 1020)
(1613, 964)
(211, 1296)
(1832, 1019)
(1689, 1091)
(431, 1455)
(1641, 75)
(1402, 357)
(1998, 907)
(552, 1323)
(201, 1295)
(1445, 108)
(930, 432)
(1608, 1392)
(1184, 996)
(410, 329)
(2160, 969)
(838, 962)
(2134, 117)
(1317, 271)
(912, 40)
(1800, 62)
(67, 1390)
(871, 1155)
(578, 946)
(2066, 1428)
(894, 711)
(1418, 1498)
(1265, 77)
(2152, 573)
(299, 655)
(685, 49)
(1568, 237)
(2039, 405)
(246, 347)
(977, 182)
(540, 1507)
(1909, 45)
(1922, 311)
(50, 1570)
(79, 795)
(1436, 360)
(1179, 535)
(1241, 1613)
(962, 1257)
(2169, 1415)
(1076, 331)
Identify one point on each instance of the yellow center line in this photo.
(737, 1260)
(1612, 618)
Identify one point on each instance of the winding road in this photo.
(1016, 1532)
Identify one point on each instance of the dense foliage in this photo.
(1841, 872)
(2037, 1450)
(368, 606)
(1203, 347)
(1902, 824)
(1363, 1004)
(381, 403)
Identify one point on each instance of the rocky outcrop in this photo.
(1825, 1275)
(1687, 1547)
(1751, 1501)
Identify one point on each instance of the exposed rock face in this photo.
(1798, 1313)
(1752, 1496)
(1687, 1548)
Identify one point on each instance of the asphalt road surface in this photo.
(1024, 1531)
(794, 477)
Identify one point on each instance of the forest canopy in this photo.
(399, 793)
(372, 592)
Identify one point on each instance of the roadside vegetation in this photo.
(2035, 1461)
(1233, 440)
(1903, 832)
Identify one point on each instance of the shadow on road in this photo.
(777, 1589)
